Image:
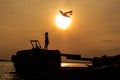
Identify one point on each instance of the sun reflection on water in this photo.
(73, 65)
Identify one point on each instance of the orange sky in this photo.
(94, 31)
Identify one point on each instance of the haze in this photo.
(94, 31)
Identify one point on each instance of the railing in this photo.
(35, 44)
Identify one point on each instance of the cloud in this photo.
(111, 41)
(115, 31)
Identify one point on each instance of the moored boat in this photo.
(40, 63)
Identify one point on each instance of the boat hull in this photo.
(76, 73)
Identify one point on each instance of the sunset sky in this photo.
(94, 28)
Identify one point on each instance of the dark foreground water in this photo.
(7, 70)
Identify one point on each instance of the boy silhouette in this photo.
(46, 41)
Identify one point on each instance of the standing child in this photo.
(46, 41)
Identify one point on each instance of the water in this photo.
(74, 65)
(7, 70)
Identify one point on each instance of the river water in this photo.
(7, 70)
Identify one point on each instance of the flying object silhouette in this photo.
(66, 14)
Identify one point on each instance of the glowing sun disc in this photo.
(62, 22)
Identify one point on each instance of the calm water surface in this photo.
(6, 69)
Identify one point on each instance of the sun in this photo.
(62, 22)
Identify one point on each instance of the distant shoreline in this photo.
(4, 60)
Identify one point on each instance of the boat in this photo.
(40, 63)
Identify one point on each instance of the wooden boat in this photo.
(39, 63)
